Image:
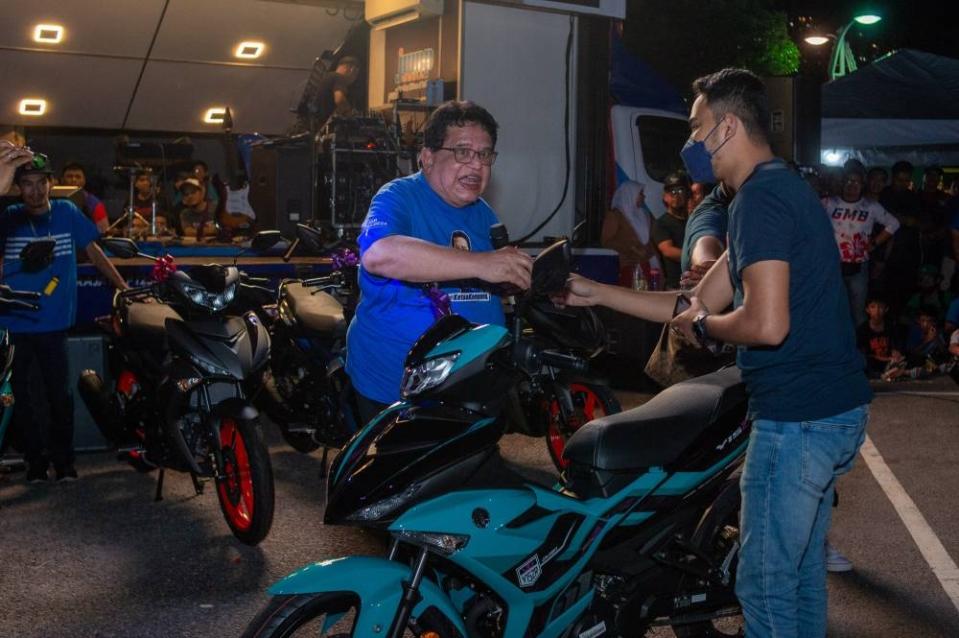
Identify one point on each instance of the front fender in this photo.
(377, 582)
(236, 408)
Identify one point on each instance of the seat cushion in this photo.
(657, 432)
(318, 312)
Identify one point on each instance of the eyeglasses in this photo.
(677, 190)
(464, 155)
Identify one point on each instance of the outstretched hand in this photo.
(580, 291)
(507, 265)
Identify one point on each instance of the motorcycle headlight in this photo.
(381, 508)
(193, 293)
(223, 299)
(445, 544)
(429, 374)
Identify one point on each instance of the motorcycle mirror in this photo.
(37, 255)
(551, 269)
(311, 239)
(121, 247)
(266, 239)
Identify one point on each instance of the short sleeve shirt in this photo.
(392, 314)
(72, 230)
(669, 228)
(708, 220)
(817, 371)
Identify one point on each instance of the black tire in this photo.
(284, 616)
(590, 401)
(718, 535)
(245, 489)
(300, 441)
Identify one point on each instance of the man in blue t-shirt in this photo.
(808, 394)
(41, 337)
(426, 235)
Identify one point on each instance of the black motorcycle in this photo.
(305, 389)
(181, 361)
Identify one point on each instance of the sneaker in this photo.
(37, 475)
(65, 474)
(835, 561)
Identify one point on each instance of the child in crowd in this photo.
(877, 340)
(926, 353)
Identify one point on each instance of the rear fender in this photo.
(377, 582)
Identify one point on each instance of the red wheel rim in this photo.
(555, 437)
(236, 488)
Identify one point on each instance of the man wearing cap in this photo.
(196, 215)
(670, 229)
(40, 337)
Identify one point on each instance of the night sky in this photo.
(925, 25)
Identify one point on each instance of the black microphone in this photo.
(499, 236)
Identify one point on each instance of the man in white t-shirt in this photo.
(853, 220)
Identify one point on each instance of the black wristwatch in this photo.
(699, 328)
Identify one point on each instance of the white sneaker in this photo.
(835, 561)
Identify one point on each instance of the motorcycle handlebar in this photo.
(6, 292)
(136, 292)
(563, 360)
(335, 279)
(18, 303)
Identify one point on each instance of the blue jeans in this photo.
(787, 487)
(857, 288)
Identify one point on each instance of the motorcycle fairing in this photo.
(378, 583)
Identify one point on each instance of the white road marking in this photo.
(929, 544)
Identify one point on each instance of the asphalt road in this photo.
(98, 558)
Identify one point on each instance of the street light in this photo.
(842, 60)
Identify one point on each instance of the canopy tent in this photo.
(903, 106)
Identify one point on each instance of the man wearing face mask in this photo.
(808, 394)
(853, 218)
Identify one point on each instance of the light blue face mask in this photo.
(698, 160)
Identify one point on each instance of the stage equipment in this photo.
(280, 185)
(358, 156)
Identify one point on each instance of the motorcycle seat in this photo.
(148, 320)
(318, 312)
(656, 433)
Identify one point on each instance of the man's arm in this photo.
(414, 260)
(714, 291)
(706, 250)
(669, 250)
(105, 266)
(762, 319)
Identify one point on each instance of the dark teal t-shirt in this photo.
(817, 371)
(708, 220)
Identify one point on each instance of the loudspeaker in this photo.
(281, 186)
(794, 110)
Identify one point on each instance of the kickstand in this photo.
(326, 451)
(159, 493)
(197, 485)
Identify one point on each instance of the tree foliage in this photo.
(684, 39)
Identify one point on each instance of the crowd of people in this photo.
(898, 241)
(194, 210)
